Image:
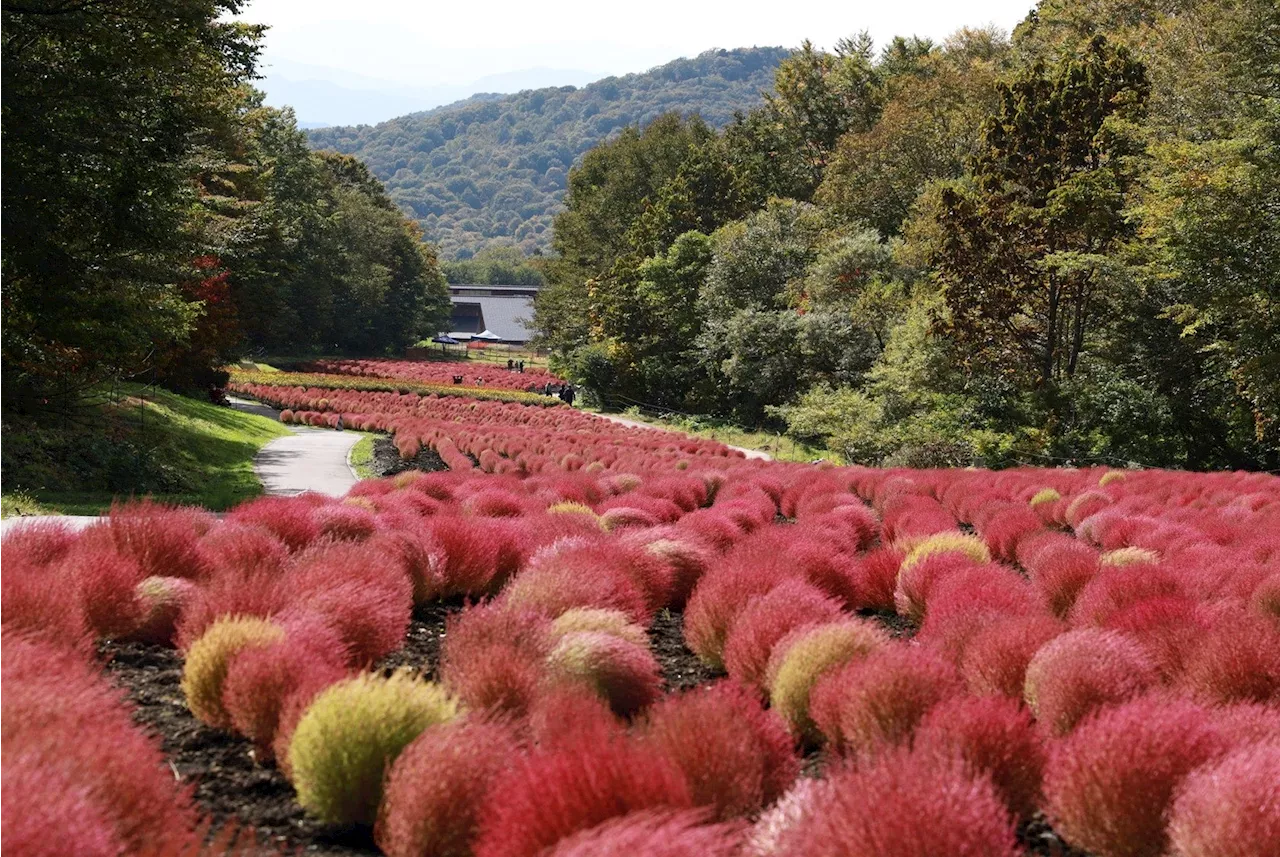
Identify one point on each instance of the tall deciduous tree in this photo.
(1022, 250)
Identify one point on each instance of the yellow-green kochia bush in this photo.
(953, 542)
(1046, 495)
(350, 735)
(207, 660)
(804, 655)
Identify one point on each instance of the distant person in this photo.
(567, 394)
(457, 379)
(479, 381)
(339, 422)
(510, 364)
(521, 364)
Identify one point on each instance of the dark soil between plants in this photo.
(387, 460)
(229, 780)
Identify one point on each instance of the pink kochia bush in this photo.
(736, 757)
(1237, 661)
(1075, 673)
(433, 799)
(653, 834)
(766, 620)
(548, 796)
(906, 804)
(1231, 807)
(1110, 784)
(873, 703)
(493, 656)
(994, 736)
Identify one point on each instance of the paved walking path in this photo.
(307, 459)
(749, 453)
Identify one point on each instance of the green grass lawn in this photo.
(141, 442)
(361, 457)
(779, 446)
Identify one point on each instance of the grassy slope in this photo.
(210, 450)
(781, 447)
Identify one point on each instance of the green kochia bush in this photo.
(350, 735)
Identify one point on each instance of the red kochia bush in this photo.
(39, 542)
(471, 550)
(107, 581)
(995, 736)
(162, 539)
(1060, 569)
(1114, 588)
(243, 549)
(345, 522)
(42, 603)
(365, 598)
(685, 555)
(39, 800)
(1109, 785)
(737, 757)
(564, 716)
(654, 834)
(904, 805)
(260, 679)
(1168, 627)
(1237, 661)
(1230, 808)
(549, 796)
(419, 556)
(230, 594)
(875, 577)
(969, 600)
(995, 658)
(917, 580)
(580, 573)
(721, 596)
(620, 671)
(288, 518)
(493, 656)
(873, 703)
(766, 620)
(1077, 672)
(433, 798)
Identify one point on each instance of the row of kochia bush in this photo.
(502, 437)
(429, 372)
(1104, 648)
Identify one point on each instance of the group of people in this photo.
(565, 392)
(515, 366)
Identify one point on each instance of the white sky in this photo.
(421, 42)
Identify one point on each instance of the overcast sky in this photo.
(424, 43)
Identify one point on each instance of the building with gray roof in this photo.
(505, 311)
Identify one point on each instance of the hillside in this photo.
(491, 170)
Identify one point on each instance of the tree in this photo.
(1022, 250)
(929, 128)
(101, 116)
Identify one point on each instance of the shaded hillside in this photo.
(491, 170)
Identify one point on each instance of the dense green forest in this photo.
(159, 221)
(492, 170)
(1059, 246)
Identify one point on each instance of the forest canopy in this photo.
(492, 170)
(1056, 246)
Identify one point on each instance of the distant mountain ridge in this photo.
(491, 170)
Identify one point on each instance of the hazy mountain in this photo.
(323, 95)
(491, 170)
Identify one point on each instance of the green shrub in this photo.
(350, 735)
